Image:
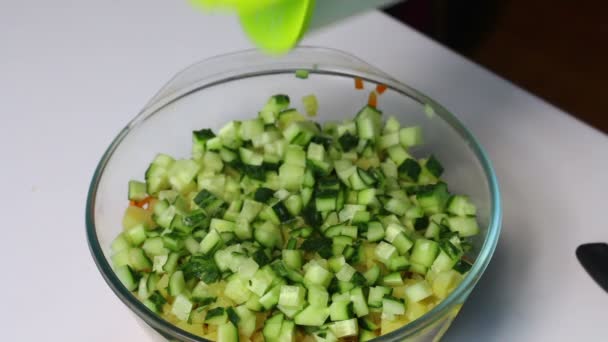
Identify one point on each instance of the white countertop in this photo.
(72, 73)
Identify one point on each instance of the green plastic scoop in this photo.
(276, 26)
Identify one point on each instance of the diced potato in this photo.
(445, 282)
(414, 310)
(196, 329)
(135, 215)
(389, 325)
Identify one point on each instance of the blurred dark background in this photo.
(555, 49)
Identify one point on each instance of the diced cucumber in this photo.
(171, 264)
(236, 290)
(227, 332)
(272, 327)
(376, 294)
(366, 335)
(317, 296)
(402, 243)
(400, 263)
(291, 176)
(276, 104)
(433, 199)
(157, 174)
(137, 190)
(359, 303)
(293, 296)
(267, 234)
(138, 260)
(418, 268)
(177, 284)
(271, 298)
(125, 276)
(317, 275)
(398, 154)
(181, 307)
(345, 328)
(410, 136)
(424, 252)
(341, 310)
(292, 258)
(312, 316)
(392, 306)
(443, 262)
(461, 206)
(392, 279)
(247, 321)
(211, 241)
(384, 252)
(250, 129)
(372, 274)
(181, 174)
(464, 226)
(199, 142)
(216, 316)
(345, 273)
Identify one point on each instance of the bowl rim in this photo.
(369, 73)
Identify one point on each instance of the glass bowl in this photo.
(235, 86)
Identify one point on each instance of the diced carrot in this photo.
(143, 203)
(380, 88)
(373, 99)
(358, 83)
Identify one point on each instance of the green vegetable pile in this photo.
(281, 229)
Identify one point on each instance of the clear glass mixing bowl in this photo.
(235, 86)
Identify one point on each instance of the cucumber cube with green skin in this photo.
(272, 327)
(345, 328)
(341, 310)
(434, 198)
(392, 306)
(236, 290)
(181, 173)
(227, 332)
(318, 275)
(384, 252)
(464, 226)
(271, 298)
(288, 331)
(292, 296)
(125, 275)
(312, 316)
(181, 307)
(249, 129)
(317, 296)
(410, 136)
(247, 320)
(137, 190)
(424, 252)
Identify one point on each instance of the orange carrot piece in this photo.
(358, 83)
(142, 203)
(373, 99)
(380, 88)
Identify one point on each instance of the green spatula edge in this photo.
(274, 26)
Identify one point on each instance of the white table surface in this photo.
(73, 72)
